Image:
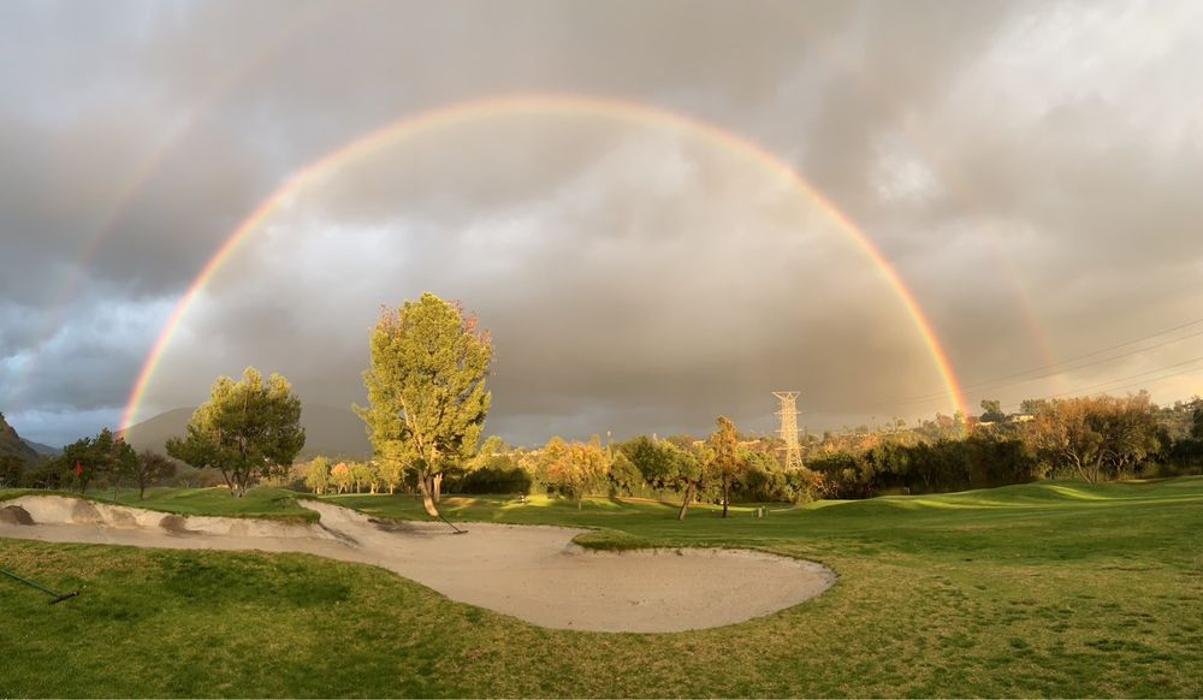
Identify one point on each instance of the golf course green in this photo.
(1049, 589)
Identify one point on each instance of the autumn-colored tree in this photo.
(575, 469)
(247, 429)
(726, 461)
(1095, 436)
(317, 476)
(342, 477)
(427, 400)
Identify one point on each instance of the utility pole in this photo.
(789, 428)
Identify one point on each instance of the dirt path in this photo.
(534, 573)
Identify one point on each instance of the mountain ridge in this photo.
(12, 444)
(329, 431)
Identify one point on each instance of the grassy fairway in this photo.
(1044, 589)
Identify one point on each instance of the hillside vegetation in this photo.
(11, 444)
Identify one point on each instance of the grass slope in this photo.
(1049, 589)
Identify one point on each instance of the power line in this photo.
(1121, 380)
(1077, 390)
(1061, 366)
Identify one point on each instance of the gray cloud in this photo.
(1030, 169)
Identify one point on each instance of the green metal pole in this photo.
(56, 596)
(27, 582)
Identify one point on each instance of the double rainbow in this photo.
(415, 126)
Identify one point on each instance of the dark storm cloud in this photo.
(1031, 168)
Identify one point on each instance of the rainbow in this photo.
(132, 187)
(538, 104)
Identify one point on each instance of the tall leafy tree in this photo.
(726, 463)
(625, 478)
(667, 466)
(148, 468)
(427, 399)
(91, 457)
(492, 447)
(317, 476)
(575, 469)
(342, 477)
(392, 473)
(247, 429)
(1095, 436)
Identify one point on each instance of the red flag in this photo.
(79, 469)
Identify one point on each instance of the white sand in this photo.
(531, 572)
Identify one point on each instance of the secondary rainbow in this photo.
(568, 105)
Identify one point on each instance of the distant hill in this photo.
(11, 444)
(44, 450)
(329, 431)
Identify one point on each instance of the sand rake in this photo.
(453, 527)
(55, 596)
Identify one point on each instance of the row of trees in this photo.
(322, 476)
(105, 460)
(1092, 438)
(721, 469)
(427, 402)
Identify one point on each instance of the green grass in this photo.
(1051, 589)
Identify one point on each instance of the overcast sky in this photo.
(1032, 171)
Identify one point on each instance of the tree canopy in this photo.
(246, 430)
(726, 462)
(574, 469)
(105, 455)
(427, 399)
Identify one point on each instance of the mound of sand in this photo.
(15, 515)
(533, 573)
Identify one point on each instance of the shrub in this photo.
(496, 478)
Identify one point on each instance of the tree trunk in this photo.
(141, 491)
(438, 486)
(726, 496)
(426, 485)
(578, 501)
(1078, 466)
(685, 503)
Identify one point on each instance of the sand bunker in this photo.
(531, 572)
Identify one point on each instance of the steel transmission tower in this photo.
(789, 428)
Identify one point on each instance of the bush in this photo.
(982, 460)
(624, 477)
(496, 479)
